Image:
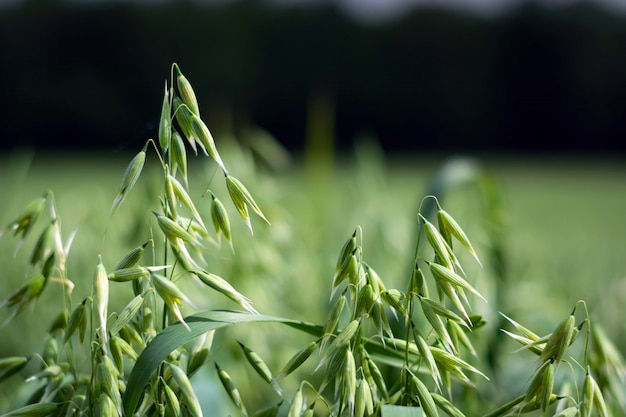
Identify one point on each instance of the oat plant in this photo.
(381, 351)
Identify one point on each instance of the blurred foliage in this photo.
(534, 78)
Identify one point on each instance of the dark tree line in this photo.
(547, 79)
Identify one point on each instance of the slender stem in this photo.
(587, 333)
(156, 149)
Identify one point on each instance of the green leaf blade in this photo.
(176, 335)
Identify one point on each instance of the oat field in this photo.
(564, 233)
(245, 281)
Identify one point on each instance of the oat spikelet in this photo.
(165, 123)
(186, 91)
(221, 285)
(101, 298)
(133, 171)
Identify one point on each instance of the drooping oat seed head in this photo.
(131, 335)
(441, 272)
(527, 337)
(50, 372)
(171, 399)
(133, 171)
(44, 245)
(365, 301)
(219, 216)
(347, 249)
(417, 285)
(11, 365)
(332, 320)
(373, 376)
(393, 298)
(598, 400)
(120, 347)
(444, 404)
(241, 197)
(261, 368)
(349, 270)
(186, 91)
(535, 388)
(169, 201)
(342, 341)
(189, 395)
(200, 352)
(183, 115)
(335, 366)
(182, 255)
(25, 294)
(559, 340)
(297, 402)
(127, 314)
(345, 336)
(443, 311)
(203, 134)
(423, 395)
(586, 405)
(76, 322)
(221, 285)
(196, 229)
(373, 278)
(609, 361)
(101, 299)
(178, 155)
(447, 222)
(359, 398)
(133, 256)
(454, 364)
(547, 384)
(174, 230)
(183, 197)
(165, 123)
(171, 295)
(105, 407)
(231, 390)
(437, 243)
(128, 274)
(460, 335)
(437, 324)
(428, 358)
(50, 352)
(349, 381)
(297, 360)
(457, 296)
(364, 401)
(593, 398)
(257, 363)
(25, 220)
(107, 380)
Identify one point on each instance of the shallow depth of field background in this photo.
(535, 95)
